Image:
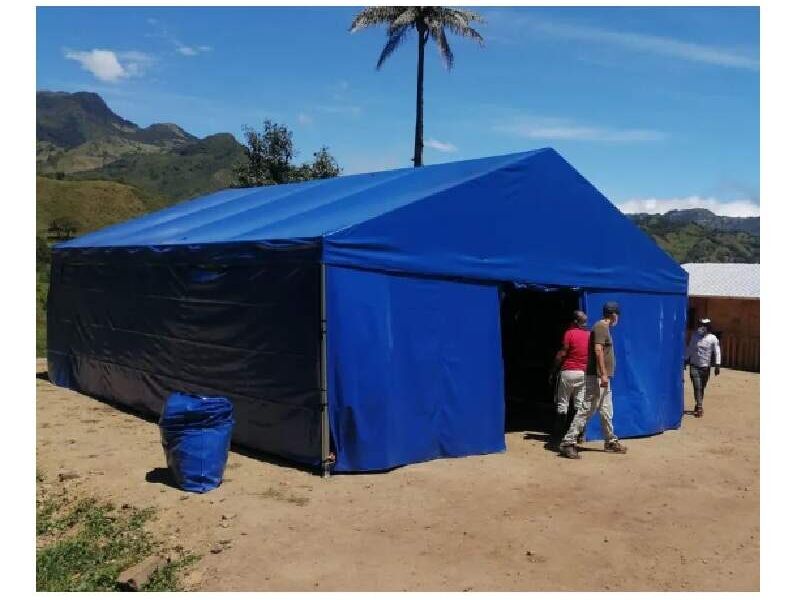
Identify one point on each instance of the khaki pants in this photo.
(598, 399)
(571, 384)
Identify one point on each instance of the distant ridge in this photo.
(699, 235)
(79, 137)
(706, 218)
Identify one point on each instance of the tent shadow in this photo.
(42, 375)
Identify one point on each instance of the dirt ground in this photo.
(679, 512)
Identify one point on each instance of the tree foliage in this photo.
(269, 159)
(427, 21)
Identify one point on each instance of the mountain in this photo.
(76, 132)
(699, 235)
(78, 137)
(706, 218)
(190, 170)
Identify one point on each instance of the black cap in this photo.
(610, 308)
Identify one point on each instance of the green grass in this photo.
(90, 205)
(42, 285)
(83, 545)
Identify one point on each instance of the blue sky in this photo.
(658, 107)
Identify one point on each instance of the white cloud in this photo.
(733, 208)
(639, 42)
(111, 66)
(441, 146)
(546, 128)
(190, 50)
(304, 119)
(181, 48)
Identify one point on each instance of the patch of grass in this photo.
(83, 545)
(167, 579)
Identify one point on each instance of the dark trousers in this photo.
(699, 377)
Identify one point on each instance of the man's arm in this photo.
(717, 356)
(601, 365)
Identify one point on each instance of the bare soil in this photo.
(680, 511)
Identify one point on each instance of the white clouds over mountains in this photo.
(110, 66)
(733, 208)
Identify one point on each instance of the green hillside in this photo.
(196, 168)
(690, 242)
(89, 205)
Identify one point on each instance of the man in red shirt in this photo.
(571, 361)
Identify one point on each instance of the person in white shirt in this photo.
(702, 352)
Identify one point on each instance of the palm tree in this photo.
(427, 20)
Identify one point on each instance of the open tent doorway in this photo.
(533, 321)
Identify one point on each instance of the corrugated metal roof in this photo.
(729, 280)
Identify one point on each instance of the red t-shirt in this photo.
(576, 341)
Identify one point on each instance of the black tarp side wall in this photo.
(239, 320)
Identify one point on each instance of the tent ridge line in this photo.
(518, 158)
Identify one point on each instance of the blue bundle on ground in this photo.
(196, 436)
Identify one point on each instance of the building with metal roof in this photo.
(723, 280)
(729, 294)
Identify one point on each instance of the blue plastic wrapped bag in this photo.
(196, 436)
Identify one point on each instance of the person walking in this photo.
(599, 371)
(702, 351)
(570, 364)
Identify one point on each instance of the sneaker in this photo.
(570, 452)
(698, 411)
(615, 447)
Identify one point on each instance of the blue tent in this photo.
(363, 311)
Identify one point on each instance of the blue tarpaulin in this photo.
(221, 295)
(414, 369)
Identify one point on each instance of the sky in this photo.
(657, 107)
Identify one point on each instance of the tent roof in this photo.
(527, 217)
(304, 210)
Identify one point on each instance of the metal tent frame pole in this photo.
(325, 449)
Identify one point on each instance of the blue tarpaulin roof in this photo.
(525, 217)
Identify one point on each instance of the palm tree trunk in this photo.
(420, 77)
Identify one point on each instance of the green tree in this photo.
(269, 156)
(323, 166)
(427, 21)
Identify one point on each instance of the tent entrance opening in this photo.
(532, 325)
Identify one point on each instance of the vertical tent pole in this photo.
(323, 378)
